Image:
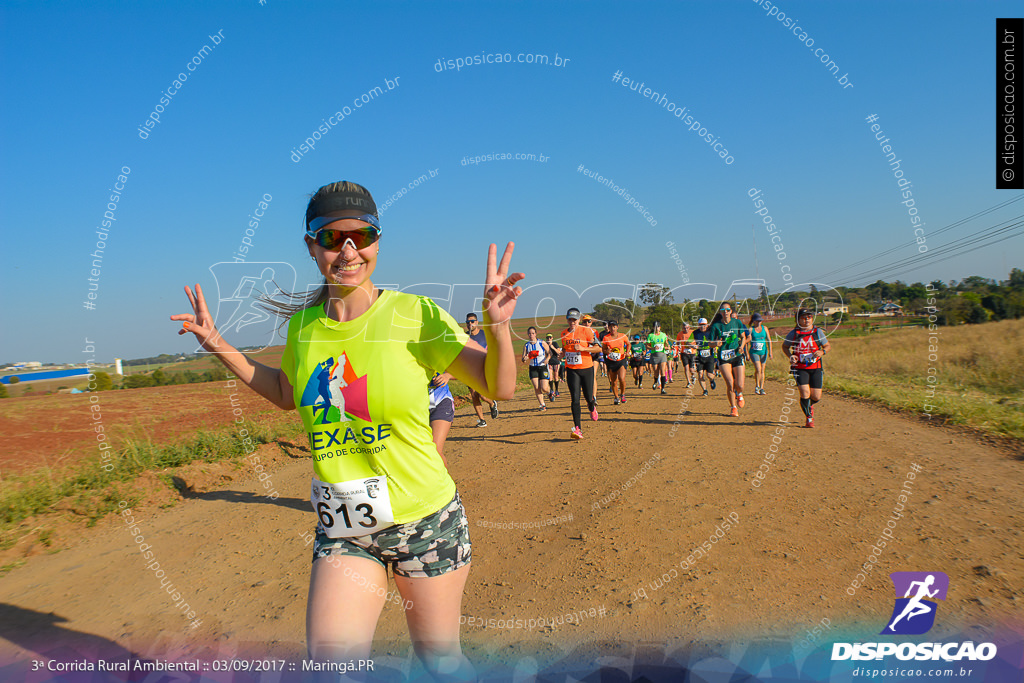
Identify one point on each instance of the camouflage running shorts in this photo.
(431, 546)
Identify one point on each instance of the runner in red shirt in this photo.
(806, 345)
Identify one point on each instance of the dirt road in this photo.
(642, 493)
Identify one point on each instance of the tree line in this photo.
(973, 300)
(158, 378)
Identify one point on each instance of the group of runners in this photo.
(356, 363)
(717, 350)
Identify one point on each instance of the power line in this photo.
(958, 247)
(980, 246)
(913, 243)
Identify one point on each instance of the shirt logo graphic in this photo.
(334, 391)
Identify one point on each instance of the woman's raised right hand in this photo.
(199, 322)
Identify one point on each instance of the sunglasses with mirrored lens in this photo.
(335, 239)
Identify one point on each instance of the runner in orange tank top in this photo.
(616, 351)
(577, 344)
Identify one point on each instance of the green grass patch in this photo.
(10, 566)
(93, 492)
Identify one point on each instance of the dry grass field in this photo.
(970, 376)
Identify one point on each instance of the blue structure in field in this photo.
(46, 374)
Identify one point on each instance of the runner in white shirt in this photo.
(536, 353)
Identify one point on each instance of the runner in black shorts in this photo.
(705, 355)
(731, 336)
(636, 359)
(536, 352)
(616, 349)
(554, 367)
(806, 345)
(688, 353)
(598, 358)
(442, 410)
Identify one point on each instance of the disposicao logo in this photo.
(914, 614)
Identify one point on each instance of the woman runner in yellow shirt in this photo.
(355, 364)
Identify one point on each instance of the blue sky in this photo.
(81, 80)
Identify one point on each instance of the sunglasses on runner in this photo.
(336, 239)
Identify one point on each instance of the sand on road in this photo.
(602, 530)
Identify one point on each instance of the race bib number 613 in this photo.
(352, 508)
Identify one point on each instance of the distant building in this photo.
(832, 309)
(889, 308)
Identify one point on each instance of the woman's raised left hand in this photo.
(500, 292)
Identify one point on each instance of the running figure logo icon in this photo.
(335, 391)
(914, 613)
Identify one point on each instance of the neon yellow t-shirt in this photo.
(656, 342)
(358, 387)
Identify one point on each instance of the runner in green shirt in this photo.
(731, 337)
(636, 360)
(657, 342)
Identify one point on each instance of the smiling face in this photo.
(345, 266)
